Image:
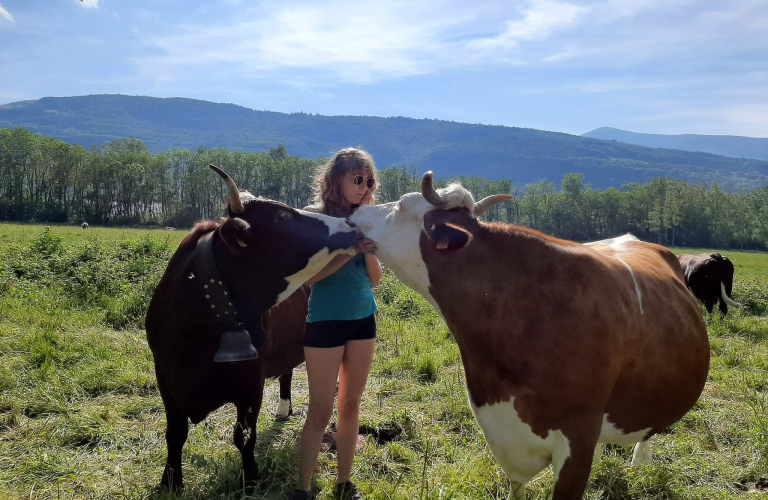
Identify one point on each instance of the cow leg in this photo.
(642, 453)
(572, 463)
(723, 308)
(176, 430)
(245, 437)
(516, 491)
(598, 453)
(284, 407)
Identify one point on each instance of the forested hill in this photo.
(728, 145)
(448, 148)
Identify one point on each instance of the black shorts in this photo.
(337, 333)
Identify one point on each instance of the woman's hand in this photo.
(364, 245)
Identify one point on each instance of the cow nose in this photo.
(351, 224)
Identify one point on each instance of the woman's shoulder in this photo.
(313, 208)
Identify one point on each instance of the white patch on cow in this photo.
(315, 264)
(283, 408)
(321, 259)
(637, 287)
(396, 228)
(334, 224)
(521, 453)
(609, 433)
(616, 242)
(642, 454)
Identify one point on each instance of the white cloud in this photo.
(5, 14)
(88, 4)
(539, 21)
(342, 42)
(351, 43)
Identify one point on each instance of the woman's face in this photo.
(354, 193)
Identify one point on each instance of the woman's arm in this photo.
(374, 269)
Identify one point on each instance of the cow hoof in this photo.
(171, 480)
(284, 409)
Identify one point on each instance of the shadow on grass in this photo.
(277, 472)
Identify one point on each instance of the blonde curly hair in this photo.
(328, 191)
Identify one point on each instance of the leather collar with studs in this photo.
(219, 302)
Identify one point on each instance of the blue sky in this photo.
(666, 66)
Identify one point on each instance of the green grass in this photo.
(80, 416)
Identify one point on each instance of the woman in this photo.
(341, 328)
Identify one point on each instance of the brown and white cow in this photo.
(709, 276)
(564, 346)
(264, 251)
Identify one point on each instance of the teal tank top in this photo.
(344, 295)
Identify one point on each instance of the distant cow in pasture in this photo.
(209, 323)
(168, 228)
(84, 225)
(709, 276)
(564, 346)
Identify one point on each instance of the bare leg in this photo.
(322, 372)
(354, 373)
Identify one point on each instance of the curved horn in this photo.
(428, 191)
(483, 205)
(235, 205)
(726, 298)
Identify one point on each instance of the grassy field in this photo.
(80, 416)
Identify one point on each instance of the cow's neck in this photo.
(246, 281)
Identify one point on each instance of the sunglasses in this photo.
(369, 181)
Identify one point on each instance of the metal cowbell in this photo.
(235, 345)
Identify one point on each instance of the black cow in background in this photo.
(710, 277)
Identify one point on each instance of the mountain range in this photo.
(726, 145)
(448, 148)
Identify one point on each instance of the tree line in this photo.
(122, 183)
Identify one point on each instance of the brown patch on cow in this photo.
(557, 326)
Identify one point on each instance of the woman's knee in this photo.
(319, 416)
(349, 408)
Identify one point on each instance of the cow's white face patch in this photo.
(322, 258)
(334, 224)
(396, 228)
(315, 264)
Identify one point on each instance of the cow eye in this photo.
(282, 216)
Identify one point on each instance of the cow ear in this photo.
(449, 237)
(236, 234)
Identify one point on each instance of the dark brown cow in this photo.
(264, 251)
(709, 276)
(564, 346)
(288, 318)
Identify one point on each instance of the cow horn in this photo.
(726, 298)
(235, 205)
(428, 191)
(483, 205)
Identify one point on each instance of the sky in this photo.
(656, 66)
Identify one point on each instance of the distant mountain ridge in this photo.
(725, 145)
(448, 148)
